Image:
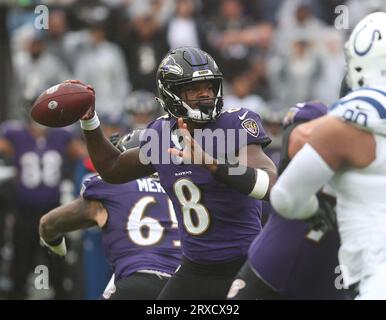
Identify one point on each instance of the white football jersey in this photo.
(361, 193)
(365, 107)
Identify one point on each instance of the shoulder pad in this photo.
(231, 110)
(165, 116)
(365, 108)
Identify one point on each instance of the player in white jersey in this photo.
(348, 148)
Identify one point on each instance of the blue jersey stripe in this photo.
(374, 103)
(377, 90)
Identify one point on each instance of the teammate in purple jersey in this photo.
(139, 231)
(40, 156)
(291, 259)
(217, 219)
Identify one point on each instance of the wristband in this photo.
(90, 124)
(253, 182)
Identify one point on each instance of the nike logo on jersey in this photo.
(243, 116)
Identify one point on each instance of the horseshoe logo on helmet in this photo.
(364, 52)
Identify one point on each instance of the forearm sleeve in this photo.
(293, 195)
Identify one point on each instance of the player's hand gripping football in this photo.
(91, 111)
(191, 152)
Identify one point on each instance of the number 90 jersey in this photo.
(216, 223)
(141, 230)
(365, 108)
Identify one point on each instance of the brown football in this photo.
(62, 105)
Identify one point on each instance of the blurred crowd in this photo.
(273, 54)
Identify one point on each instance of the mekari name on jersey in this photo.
(218, 223)
(141, 230)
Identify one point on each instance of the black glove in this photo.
(325, 218)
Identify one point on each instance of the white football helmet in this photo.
(366, 52)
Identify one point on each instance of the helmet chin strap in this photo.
(199, 115)
(206, 108)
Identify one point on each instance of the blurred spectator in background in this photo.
(296, 17)
(40, 156)
(298, 14)
(5, 66)
(36, 70)
(141, 108)
(266, 11)
(102, 64)
(357, 9)
(223, 33)
(162, 10)
(242, 94)
(183, 29)
(332, 66)
(258, 40)
(294, 75)
(144, 46)
(56, 35)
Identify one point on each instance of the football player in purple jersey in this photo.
(139, 230)
(40, 155)
(292, 259)
(295, 259)
(214, 186)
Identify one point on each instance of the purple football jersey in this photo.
(299, 263)
(39, 163)
(141, 232)
(216, 223)
(296, 261)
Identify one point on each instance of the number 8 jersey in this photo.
(217, 224)
(141, 230)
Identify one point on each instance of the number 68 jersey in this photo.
(141, 229)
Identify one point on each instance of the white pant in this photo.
(110, 288)
(373, 286)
